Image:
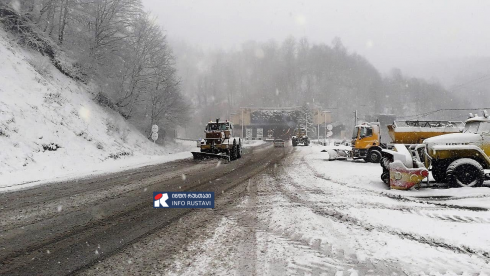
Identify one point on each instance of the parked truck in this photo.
(366, 138)
(461, 159)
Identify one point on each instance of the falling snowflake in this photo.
(60, 207)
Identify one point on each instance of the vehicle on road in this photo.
(279, 143)
(300, 137)
(219, 142)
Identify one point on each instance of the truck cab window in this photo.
(354, 134)
(366, 132)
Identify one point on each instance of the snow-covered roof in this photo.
(478, 119)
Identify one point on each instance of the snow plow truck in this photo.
(459, 159)
(300, 137)
(219, 142)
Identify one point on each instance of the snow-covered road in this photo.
(309, 216)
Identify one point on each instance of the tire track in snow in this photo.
(287, 236)
(338, 251)
(247, 251)
(447, 217)
(342, 217)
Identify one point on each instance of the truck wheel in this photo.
(374, 156)
(295, 142)
(439, 169)
(385, 176)
(233, 152)
(465, 172)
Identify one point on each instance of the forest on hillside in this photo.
(297, 72)
(114, 45)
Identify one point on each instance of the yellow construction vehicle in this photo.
(461, 159)
(366, 139)
(366, 142)
(219, 142)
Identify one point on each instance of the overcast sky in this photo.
(389, 33)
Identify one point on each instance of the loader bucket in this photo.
(206, 155)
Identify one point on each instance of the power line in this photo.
(472, 82)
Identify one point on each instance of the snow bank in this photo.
(50, 127)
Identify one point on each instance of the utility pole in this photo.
(325, 136)
(355, 118)
(306, 123)
(242, 124)
(318, 135)
(318, 128)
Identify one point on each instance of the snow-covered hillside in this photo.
(50, 126)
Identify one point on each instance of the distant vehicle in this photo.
(300, 137)
(279, 143)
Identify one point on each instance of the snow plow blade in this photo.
(206, 155)
(400, 170)
(403, 178)
(337, 154)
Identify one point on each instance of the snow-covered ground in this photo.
(309, 216)
(362, 175)
(52, 130)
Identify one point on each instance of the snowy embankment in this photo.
(51, 129)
